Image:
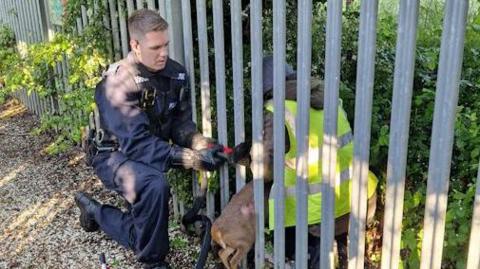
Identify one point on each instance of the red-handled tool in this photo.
(226, 152)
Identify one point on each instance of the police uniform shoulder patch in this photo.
(139, 79)
(181, 76)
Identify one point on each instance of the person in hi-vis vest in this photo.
(344, 164)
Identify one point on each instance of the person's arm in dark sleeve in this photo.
(184, 131)
(119, 110)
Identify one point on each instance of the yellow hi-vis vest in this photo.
(344, 167)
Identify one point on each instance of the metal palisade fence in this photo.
(29, 20)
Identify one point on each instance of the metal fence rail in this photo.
(257, 127)
(363, 116)
(238, 96)
(31, 23)
(329, 153)
(449, 70)
(302, 122)
(397, 155)
(279, 51)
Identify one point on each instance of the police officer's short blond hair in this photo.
(143, 21)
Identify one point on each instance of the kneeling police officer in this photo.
(143, 103)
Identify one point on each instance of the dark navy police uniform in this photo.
(140, 112)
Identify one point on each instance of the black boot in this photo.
(88, 206)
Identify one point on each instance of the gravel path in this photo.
(38, 219)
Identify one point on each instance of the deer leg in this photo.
(224, 254)
(237, 257)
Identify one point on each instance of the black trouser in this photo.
(314, 248)
(145, 228)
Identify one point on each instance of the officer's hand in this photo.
(200, 142)
(208, 159)
(201, 160)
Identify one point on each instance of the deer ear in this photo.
(241, 153)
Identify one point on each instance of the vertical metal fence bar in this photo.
(181, 208)
(28, 20)
(26, 101)
(329, 148)
(7, 18)
(130, 7)
(123, 28)
(84, 16)
(38, 110)
(41, 106)
(10, 17)
(279, 52)
(257, 127)
(106, 23)
(15, 19)
(18, 19)
(115, 31)
(21, 21)
(49, 32)
(3, 14)
(221, 93)
(92, 11)
(304, 53)
(31, 22)
(41, 11)
(28, 10)
(238, 97)
(151, 4)
(4, 10)
(363, 114)
(53, 108)
(473, 261)
(30, 102)
(188, 52)
(162, 8)
(173, 7)
(399, 126)
(20, 96)
(64, 68)
(189, 64)
(175, 205)
(205, 85)
(34, 102)
(37, 22)
(449, 70)
(33, 38)
(26, 24)
(79, 25)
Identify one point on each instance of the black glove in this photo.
(201, 160)
(241, 154)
